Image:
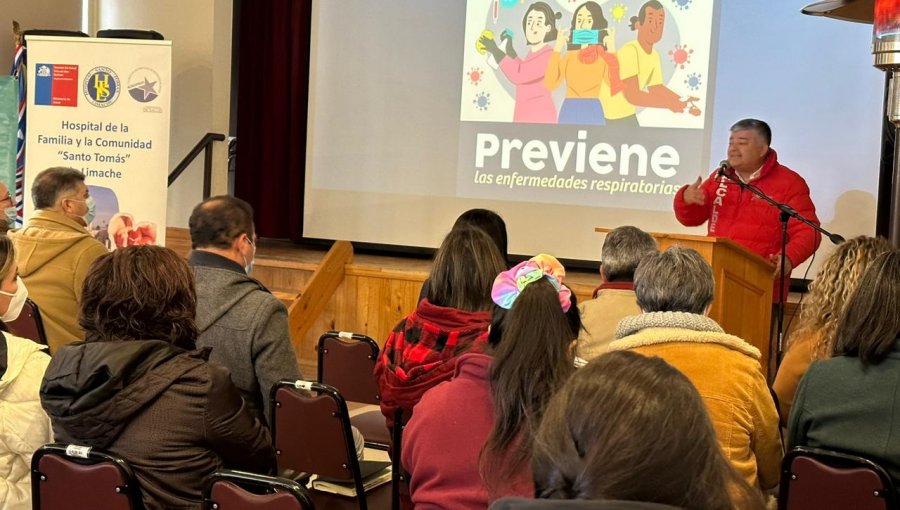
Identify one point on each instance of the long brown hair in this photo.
(828, 293)
(139, 293)
(533, 359)
(870, 325)
(464, 269)
(634, 428)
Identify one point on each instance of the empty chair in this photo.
(70, 477)
(312, 434)
(29, 323)
(812, 478)
(347, 362)
(239, 490)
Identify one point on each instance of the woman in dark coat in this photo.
(138, 388)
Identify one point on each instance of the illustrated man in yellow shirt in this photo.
(640, 69)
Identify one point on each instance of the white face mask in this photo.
(16, 303)
(248, 266)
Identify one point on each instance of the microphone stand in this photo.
(787, 212)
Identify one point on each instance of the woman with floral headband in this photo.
(469, 440)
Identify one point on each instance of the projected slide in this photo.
(421, 109)
(584, 102)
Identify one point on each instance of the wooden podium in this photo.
(742, 303)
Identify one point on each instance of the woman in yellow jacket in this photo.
(674, 290)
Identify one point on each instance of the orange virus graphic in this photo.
(475, 75)
(681, 55)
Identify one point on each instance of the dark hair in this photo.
(761, 128)
(623, 249)
(550, 18)
(51, 184)
(630, 427)
(498, 317)
(218, 221)
(533, 359)
(463, 271)
(599, 21)
(642, 14)
(488, 221)
(676, 280)
(870, 325)
(139, 293)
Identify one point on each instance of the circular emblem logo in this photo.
(144, 85)
(101, 87)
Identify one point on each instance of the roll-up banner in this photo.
(102, 106)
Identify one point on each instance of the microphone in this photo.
(723, 166)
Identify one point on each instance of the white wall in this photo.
(48, 14)
(200, 31)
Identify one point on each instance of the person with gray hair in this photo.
(736, 214)
(55, 250)
(614, 299)
(674, 290)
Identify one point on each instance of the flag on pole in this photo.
(18, 72)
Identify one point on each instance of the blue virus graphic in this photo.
(683, 4)
(508, 3)
(693, 81)
(482, 101)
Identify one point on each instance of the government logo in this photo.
(101, 87)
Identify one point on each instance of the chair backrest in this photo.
(574, 504)
(347, 362)
(238, 490)
(311, 432)
(400, 496)
(29, 323)
(76, 477)
(813, 478)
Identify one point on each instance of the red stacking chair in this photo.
(237, 490)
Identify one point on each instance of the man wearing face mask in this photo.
(246, 326)
(55, 250)
(8, 203)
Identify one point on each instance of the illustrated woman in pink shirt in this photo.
(533, 101)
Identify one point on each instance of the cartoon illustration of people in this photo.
(588, 62)
(533, 101)
(640, 70)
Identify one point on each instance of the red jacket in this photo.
(746, 219)
(443, 440)
(422, 352)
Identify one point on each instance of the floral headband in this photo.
(509, 284)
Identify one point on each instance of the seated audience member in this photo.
(814, 334)
(488, 221)
(633, 428)
(850, 402)
(614, 298)
(138, 388)
(469, 440)
(674, 290)
(244, 324)
(10, 213)
(453, 318)
(55, 250)
(24, 427)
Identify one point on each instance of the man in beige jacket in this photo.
(614, 299)
(55, 250)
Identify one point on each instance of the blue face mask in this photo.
(11, 216)
(585, 36)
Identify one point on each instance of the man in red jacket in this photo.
(741, 216)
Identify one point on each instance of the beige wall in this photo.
(50, 14)
(200, 31)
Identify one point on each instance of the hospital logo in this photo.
(43, 71)
(144, 85)
(101, 87)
